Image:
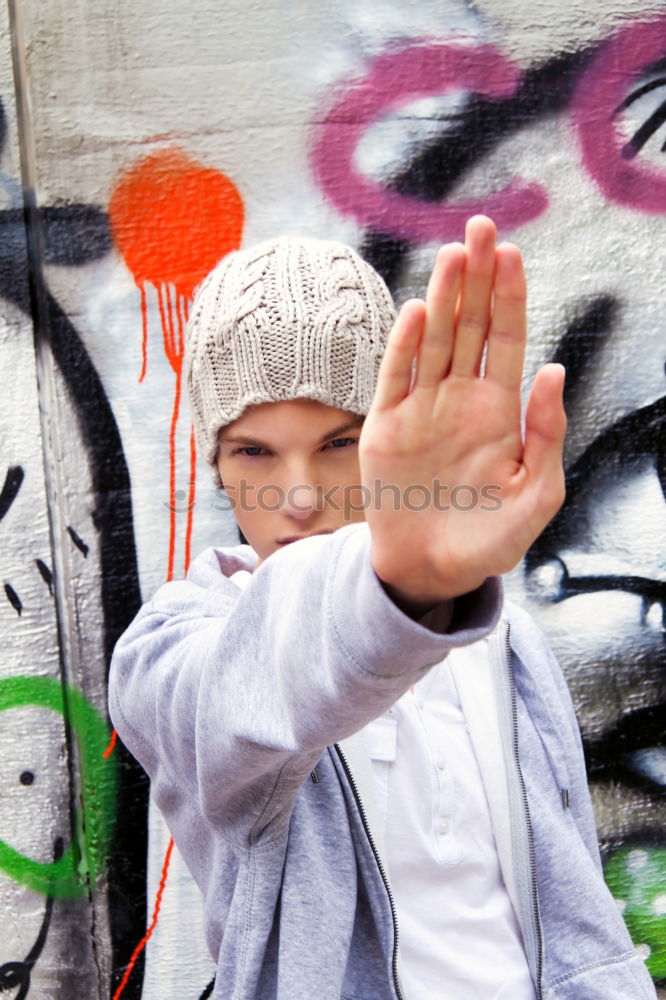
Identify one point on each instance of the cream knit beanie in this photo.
(290, 318)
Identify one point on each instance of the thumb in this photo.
(545, 429)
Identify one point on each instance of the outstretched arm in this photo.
(447, 414)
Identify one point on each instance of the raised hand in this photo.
(447, 415)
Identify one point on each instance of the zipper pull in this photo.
(565, 798)
(313, 775)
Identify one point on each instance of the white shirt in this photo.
(459, 938)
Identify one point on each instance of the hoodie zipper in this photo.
(380, 866)
(536, 915)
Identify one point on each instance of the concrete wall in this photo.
(140, 142)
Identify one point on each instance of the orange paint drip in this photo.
(172, 475)
(190, 500)
(183, 308)
(144, 331)
(171, 339)
(153, 924)
(112, 745)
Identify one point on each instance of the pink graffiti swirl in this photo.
(395, 79)
(620, 174)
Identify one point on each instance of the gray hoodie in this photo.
(232, 698)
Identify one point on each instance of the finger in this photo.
(476, 296)
(436, 345)
(395, 372)
(506, 339)
(545, 429)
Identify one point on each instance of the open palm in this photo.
(458, 494)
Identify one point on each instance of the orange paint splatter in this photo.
(173, 220)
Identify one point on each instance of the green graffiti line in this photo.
(77, 870)
(636, 877)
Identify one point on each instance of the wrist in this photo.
(416, 585)
(414, 608)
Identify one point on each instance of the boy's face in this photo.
(291, 469)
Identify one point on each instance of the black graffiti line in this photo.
(40, 941)
(78, 541)
(641, 729)
(13, 974)
(13, 479)
(591, 323)
(209, 990)
(75, 235)
(45, 573)
(13, 598)
(645, 89)
(647, 129)
(611, 765)
(485, 122)
(640, 434)
(651, 590)
(440, 163)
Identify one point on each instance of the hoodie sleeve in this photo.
(228, 697)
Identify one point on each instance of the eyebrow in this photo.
(257, 443)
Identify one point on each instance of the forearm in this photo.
(221, 692)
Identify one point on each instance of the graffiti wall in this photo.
(139, 143)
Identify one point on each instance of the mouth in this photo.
(297, 538)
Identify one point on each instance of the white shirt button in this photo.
(443, 827)
(440, 763)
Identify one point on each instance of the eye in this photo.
(341, 442)
(250, 451)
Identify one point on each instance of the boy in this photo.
(346, 730)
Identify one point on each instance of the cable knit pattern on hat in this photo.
(290, 318)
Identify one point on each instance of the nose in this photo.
(301, 500)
